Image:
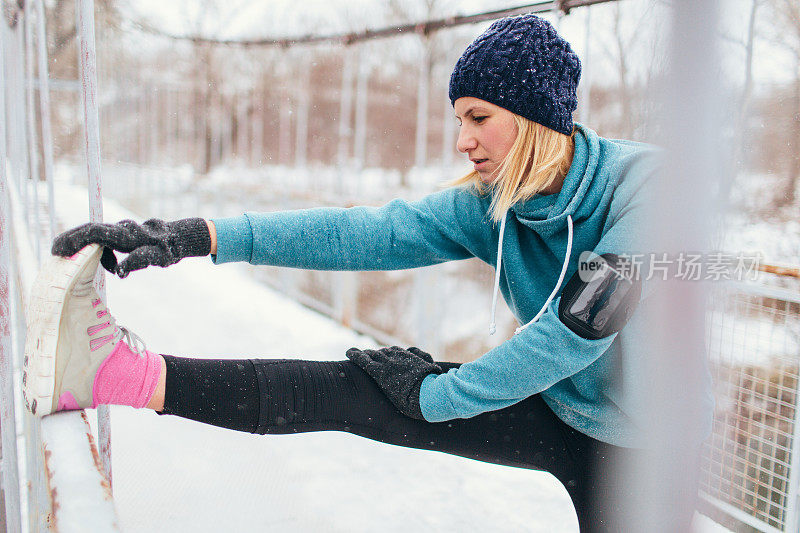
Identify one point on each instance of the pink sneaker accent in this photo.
(96, 344)
(67, 402)
(126, 377)
(91, 330)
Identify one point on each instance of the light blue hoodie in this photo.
(595, 386)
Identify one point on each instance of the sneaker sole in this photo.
(48, 294)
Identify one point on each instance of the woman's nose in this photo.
(466, 141)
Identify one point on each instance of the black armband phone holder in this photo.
(600, 297)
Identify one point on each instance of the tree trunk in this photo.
(789, 195)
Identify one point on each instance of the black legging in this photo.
(281, 396)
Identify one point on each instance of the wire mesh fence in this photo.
(754, 348)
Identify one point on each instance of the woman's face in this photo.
(486, 134)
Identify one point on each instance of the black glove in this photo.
(154, 242)
(399, 374)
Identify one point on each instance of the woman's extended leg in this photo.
(286, 396)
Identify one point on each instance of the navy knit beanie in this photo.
(521, 64)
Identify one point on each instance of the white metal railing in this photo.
(9, 483)
(67, 488)
(64, 484)
(8, 444)
(91, 129)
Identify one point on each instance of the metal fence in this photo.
(751, 461)
(62, 485)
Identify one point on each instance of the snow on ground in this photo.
(703, 524)
(740, 340)
(751, 227)
(171, 474)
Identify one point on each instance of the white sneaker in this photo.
(70, 333)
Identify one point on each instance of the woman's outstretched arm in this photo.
(444, 226)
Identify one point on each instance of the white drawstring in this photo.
(493, 325)
(560, 278)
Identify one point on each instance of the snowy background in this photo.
(213, 131)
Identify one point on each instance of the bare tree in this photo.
(61, 31)
(434, 52)
(786, 18)
(742, 145)
(630, 33)
(747, 89)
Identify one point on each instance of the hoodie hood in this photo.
(547, 214)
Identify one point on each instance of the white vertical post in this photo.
(30, 109)
(345, 108)
(301, 132)
(257, 123)
(202, 125)
(683, 210)
(284, 139)
(448, 134)
(360, 137)
(153, 135)
(37, 502)
(44, 112)
(216, 128)
(171, 126)
(179, 100)
(224, 131)
(8, 426)
(427, 330)
(18, 121)
(141, 119)
(345, 296)
(242, 126)
(421, 140)
(88, 75)
(586, 71)
(163, 125)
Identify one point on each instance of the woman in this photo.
(563, 394)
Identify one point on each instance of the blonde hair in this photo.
(538, 157)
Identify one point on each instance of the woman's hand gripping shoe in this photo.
(76, 356)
